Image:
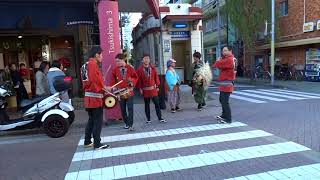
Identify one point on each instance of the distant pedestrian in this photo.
(173, 82)
(148, 84)
(42, 86)
(19, 87)
(226, 65)
(54, 71)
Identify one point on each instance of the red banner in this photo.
(110, 43)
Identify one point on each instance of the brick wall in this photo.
(291, 26)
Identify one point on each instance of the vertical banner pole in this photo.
(108, 13)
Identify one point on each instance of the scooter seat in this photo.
(30, 102)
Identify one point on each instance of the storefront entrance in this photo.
(181, 53)
(31, 50)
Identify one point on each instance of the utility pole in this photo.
(272, 41)
(219, 25)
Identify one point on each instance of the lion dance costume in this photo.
(202, 77)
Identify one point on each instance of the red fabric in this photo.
(23, 72)
(147, 81)
(94, 84)
(227, 73)
(65, 62)
(117, 76)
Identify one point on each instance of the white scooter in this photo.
(48, 113)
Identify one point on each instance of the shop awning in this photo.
(182, 18)
(46, 15)
(284, 44)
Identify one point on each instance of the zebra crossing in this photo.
(181, 151)
(271, 95)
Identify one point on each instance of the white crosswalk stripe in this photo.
(153, 165)
(271, 95)
(244, 98)
(293, 94)
(167, 132)
(311, 171)
(259, 96)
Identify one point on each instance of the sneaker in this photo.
(199, 107)
(126, 127)
(178, 109)
(224, 122)
(148, 122)
(88, 145)
(173, 110)
(204, 105)
(131, 129)
(102, 146)
(162, 120)
(219, 117)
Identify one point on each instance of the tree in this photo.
(248, 17)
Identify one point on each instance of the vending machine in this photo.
(312, 70)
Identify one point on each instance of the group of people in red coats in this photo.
(146, 79)
(124, 76)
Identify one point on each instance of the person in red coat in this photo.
(125, 73)
(226, 65)
(148, 84)
(94, 88)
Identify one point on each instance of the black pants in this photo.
(226, 111)
(94, 126)
(124, 103)
(155, 100)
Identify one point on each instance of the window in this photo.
(284, 8)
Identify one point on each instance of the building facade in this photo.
(178, 34)
(299, 37)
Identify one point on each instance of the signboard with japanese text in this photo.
(180, 34)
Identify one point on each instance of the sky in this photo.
(135, 18)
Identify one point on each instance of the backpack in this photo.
(84, 72)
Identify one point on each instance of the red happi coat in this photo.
(148, 82)
(94, 84)
(227, 72)
(130, 75)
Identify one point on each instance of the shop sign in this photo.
(79, 22)
(180, 34)
(45, 52)
(167, 45)
(308, 27)
(318, 25)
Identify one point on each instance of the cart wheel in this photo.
(55, 126)
(71, 117)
